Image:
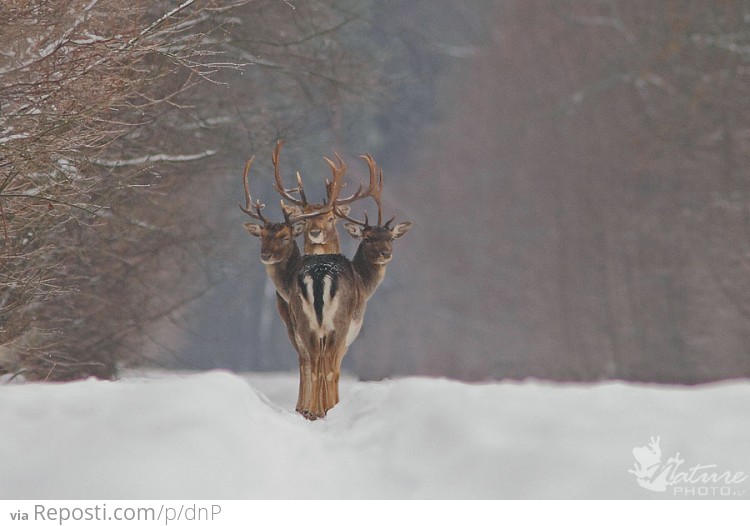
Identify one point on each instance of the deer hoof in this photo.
(309, 415)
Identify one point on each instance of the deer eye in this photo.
(330, 220)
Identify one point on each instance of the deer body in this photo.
(328, 308)
(321, 311)
(282, 258)
(322, 296)
(311, 321)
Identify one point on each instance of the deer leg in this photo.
(323, 393)
(320, 373)
(338, 358)
(300, 391)
(304, 396)
(314, 406)
(323, 380)
(329, 373)
(305, 385)
(333, 381)
(327, 392)
(340, 352)
(320, 403)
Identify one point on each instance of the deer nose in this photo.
(265, 256)
(385, 253)
(315, 233)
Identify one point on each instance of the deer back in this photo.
(328, 294)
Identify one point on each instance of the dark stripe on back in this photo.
(318, 267)
(318, 297)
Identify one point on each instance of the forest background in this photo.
(577, 172)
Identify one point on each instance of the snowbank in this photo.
(221, 436)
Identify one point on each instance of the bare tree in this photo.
(86, 87)
(119, 126)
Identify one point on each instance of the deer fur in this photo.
(328, 308)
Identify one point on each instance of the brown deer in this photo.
(320, 234)
(281, 256)
(375, 248)
(329, 309)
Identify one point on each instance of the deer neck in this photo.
(282, 273)
(371, 274)
(329, 247)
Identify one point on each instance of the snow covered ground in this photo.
(217, 435)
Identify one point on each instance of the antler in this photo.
(334, 186)
(249, 205)
(374, 190)
(344, 200)
(279, 185)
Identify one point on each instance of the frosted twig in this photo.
(152, 158)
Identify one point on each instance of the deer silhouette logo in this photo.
(650, 471)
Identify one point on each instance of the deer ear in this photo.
(298, 228)
(253, 229)
(354, 230)
(400, 229)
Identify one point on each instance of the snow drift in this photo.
(221, 436)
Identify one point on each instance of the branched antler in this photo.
(249, 205)
(374, 190)
(336, 185)
(344, 200)
(279, 185)
(253, 209)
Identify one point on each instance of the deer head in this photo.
(375, 240)
(321, 236)
(277, 239)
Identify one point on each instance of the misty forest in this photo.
(576, 172)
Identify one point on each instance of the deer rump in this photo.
(327, 306)
(326, 310)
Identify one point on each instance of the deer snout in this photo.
(385, 254)
(265, 256)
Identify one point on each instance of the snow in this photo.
(217, 435)
(16, 136)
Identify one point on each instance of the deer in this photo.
(329, 308)
(320, 234)
(375, 250)
(281, 255)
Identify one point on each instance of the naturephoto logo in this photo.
(700, 480)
